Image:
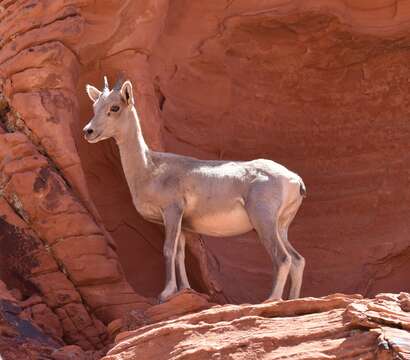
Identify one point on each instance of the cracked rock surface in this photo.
(333, 327)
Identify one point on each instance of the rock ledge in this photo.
(336, 326)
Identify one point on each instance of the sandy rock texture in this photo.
(332, 327)
(319, 85)
(23, 337)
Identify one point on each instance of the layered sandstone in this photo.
(320, 86)
(333, 327)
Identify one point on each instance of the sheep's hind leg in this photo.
(264, 218)
(297, 267)
(298, 261)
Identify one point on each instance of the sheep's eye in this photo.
(114, 108)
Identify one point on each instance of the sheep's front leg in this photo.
(182, 277)
(172, 217)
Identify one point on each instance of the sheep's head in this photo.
(111, 110)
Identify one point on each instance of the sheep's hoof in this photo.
(165, 295)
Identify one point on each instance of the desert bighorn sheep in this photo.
(216, 198)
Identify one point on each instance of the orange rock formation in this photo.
(335, 327)
(318, 85)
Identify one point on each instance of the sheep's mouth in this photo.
(91, 138)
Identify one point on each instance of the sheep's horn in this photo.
(118, 84)
(106, 89)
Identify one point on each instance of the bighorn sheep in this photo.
(216, 198)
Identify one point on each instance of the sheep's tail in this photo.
(302, 188)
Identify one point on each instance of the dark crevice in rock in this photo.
(162, 101)
(160, 95)
(4, 110)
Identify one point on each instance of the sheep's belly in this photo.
(230, 222)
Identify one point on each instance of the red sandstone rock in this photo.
(71, 352)
(189, 65)
(31, 301)
(184, 302)
(405, 301)
(236, 80)
(298, 329)
(114, 328)
(5, 293)
(319, 85)
(47, 320)
(20, 338)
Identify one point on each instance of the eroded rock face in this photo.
(336, 326)
(20, 338)
(320, 86)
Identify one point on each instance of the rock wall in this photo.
(320, 86)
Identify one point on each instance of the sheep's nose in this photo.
(87, 131)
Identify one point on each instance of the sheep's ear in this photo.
(126, 92)
(93, 92)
